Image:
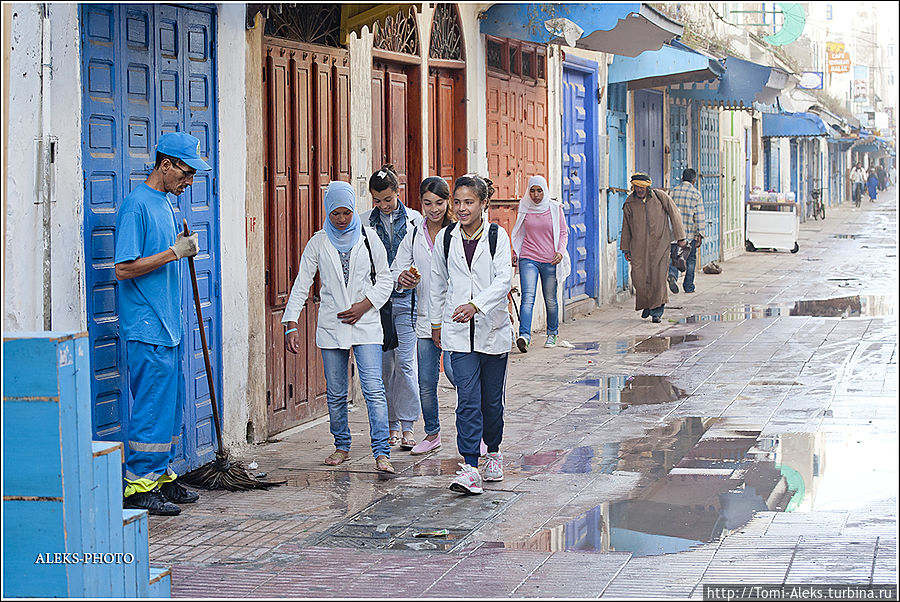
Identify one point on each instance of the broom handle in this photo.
(209, 377)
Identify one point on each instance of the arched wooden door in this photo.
(396, 102)
(447, 150)
(306, 92)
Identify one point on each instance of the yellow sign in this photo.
(834, 46)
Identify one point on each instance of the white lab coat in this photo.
(414, 251)
(486, 285)
(321, 256)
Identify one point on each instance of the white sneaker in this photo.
(493, 467)
(551, 341)
(467, 480)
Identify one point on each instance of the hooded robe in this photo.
(648, 228)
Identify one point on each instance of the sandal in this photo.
(337, 457)
(383, 463)
(393, 440)
(407, 443)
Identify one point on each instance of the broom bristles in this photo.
(224, 473)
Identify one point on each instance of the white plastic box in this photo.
(772, 224)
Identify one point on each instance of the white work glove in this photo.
(186, 246)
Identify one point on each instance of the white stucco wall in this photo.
(231, 72)
(476, 87)
(23, 299)
(360, 48)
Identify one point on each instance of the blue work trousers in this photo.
(154, 426)
(368, 363)
(429, 372)
(480, 398)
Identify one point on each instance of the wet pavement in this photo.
(749, 438)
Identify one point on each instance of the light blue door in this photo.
(617, 192)
(710, 182)
(678, 141)
(147, 70)
(648, 134)
(579, 177)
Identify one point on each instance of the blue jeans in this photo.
(480, 396)
(429, 373)
(368, 362)
(398, 369)
(691, 265)
(528, 275)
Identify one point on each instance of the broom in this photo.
(223, 472)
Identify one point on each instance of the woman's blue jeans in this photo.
(528, 275)
(368, 363)
(429, 372)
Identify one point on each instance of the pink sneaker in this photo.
(424, 446)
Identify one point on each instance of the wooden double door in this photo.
(396, 124)
(307, 107)
(446, 123)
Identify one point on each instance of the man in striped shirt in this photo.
(688, 200)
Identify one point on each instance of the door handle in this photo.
(317, 299)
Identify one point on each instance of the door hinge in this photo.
(265, 173)
(268, 398)
(264, 76)
(267, 277)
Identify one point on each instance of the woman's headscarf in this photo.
(340, 194)
(526, 205)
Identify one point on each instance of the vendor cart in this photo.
(772, 224)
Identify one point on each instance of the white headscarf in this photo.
(526, 206)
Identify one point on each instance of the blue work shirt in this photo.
(149, 305)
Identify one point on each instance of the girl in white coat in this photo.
(539, 241)
(355, 281)
(470, 279)
(412, 270)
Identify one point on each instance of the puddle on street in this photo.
(698, 488)
(618, 393)
(839, 307)
(654, 344)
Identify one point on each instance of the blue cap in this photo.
(182, 146)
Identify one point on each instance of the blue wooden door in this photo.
(579, 177)
(617, 192)
(678, 142)
(648, 134)
(147, 70)
(710, 182)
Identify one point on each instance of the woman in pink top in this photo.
(539, 241)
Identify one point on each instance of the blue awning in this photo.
(742, 84)
(627, 29)
(664, 67)
(792, 125)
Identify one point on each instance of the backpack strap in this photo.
(492, 238)
(447, 232)
(371, 260)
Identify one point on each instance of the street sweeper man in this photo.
(149, 245)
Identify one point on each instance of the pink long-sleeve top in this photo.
(537, 244)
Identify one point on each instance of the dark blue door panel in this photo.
(579, 177)
(147, 70)
(648, 134)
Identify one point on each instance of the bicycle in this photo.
(818, 206)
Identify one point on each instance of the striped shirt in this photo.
(690, 203)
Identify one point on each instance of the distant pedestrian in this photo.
(471, 274)
(858, 181)
(689, 202)
(149, 244)
(539, 240)
(882, 177)
(651, 221)
(391, 219)
(355, 281)
(872, 185)
(412, 270)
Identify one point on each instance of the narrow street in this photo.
(770, 393)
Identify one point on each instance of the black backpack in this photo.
(387, 319)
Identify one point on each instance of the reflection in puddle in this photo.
(620, 392)
(840, 307)
(654, 344)
(696, 487)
